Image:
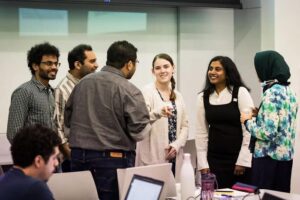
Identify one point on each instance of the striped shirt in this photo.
(31, 103)
(62, 93)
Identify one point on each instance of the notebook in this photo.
(230, 194)
(142, 187)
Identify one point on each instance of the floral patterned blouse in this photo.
(172, 120)
(275, 125)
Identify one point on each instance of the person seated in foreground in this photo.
(35, 153)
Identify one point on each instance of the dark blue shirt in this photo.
(15, 185)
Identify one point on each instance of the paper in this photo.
(227, 193)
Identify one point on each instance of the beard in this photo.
(48, 75)
(130, 74)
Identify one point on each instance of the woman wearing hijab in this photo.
(273, 125)
(221, 140)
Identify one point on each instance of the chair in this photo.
(5, 156)
(190, 147)
(73, 186)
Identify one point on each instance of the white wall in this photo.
(203, 34)
(287, 42)
(264, 25)
(247, 41)
(159, 35)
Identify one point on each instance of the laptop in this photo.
(142, 187)
(160, 172)
(268, 196)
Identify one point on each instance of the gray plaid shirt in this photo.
(31, 103)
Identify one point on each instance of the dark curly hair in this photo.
(120, 53)
(77, 54)
(31, 141)
(35, 54)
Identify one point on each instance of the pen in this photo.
(225, 195)
(225, 191)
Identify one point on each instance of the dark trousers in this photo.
(226, 178)
(268, 173)
(103, 166)
(66, 165)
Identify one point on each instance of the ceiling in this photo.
(170, 3)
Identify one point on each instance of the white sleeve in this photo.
(201, 134)
(245, 104)
(154, 114)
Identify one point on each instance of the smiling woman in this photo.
(221, 141)
(168, 118)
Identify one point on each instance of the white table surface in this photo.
(283, 195)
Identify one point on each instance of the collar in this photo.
(113, 70)
(72, 78)
(41, 86)
(17, 169)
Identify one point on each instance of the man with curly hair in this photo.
(34, 151)
(33, 101)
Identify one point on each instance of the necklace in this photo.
(161, 96)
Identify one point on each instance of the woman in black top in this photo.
(221, 141)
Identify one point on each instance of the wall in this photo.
(287, 42)
(156, 34)
(247, 41)
(203, 34)
(264, 25)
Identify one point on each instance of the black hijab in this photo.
(271, 68)
(270, 65)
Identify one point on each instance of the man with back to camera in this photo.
(33, 101)
(82, 61)
(34, 152)
(107, 115)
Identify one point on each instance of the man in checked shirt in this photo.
(33, 101)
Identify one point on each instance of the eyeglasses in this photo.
(50, 63)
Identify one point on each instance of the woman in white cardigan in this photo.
(168, 118)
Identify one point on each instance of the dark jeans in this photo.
(103, 166)
(268, 173)
(66, 165)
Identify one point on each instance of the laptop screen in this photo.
(144, 188)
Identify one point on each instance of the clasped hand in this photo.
(170, 153)
(166, 111)
(246, 116)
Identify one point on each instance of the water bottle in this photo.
(207, 186)
(187, 178)
(178, 191)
